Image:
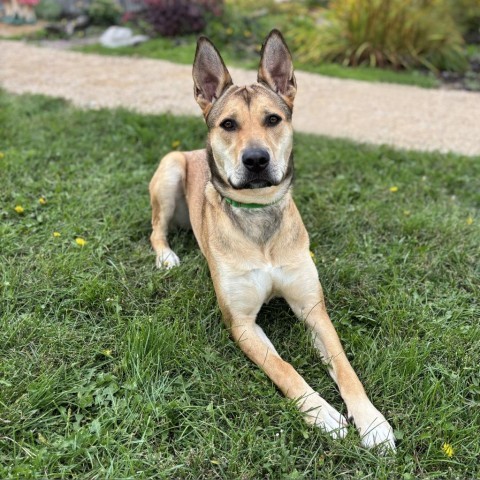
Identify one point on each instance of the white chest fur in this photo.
(247, 288)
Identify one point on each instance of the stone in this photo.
(115, 37)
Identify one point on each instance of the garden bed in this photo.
(417, 45)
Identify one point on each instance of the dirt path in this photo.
(378, 113)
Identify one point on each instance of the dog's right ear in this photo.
(210, 76)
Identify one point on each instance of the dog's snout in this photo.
(255, 159)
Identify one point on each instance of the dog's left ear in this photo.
(276, 67)
(210, 76)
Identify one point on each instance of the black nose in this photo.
(255, 159)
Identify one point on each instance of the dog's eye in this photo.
(228, 125)
(273, 120)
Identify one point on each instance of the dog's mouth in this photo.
(253, 183)
(258, 184)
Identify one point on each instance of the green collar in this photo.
(250, 205)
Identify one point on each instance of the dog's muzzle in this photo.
(257, 174)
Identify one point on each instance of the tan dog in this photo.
(236, 196)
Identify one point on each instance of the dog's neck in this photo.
(257, 224)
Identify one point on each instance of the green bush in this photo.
(384, 33)
(238, 31)
(104, 12)
(49, 10)
(467, 15)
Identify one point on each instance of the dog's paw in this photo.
(374, 428)
(167, 259)
(320, 413)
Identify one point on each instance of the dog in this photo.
(236, 196)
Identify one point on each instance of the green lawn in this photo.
(112, 369)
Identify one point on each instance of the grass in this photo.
(110, 368)
(183, 51)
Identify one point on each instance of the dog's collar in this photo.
(250, 205)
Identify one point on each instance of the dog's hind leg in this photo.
(167, 197)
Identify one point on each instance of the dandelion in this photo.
(394, 189)
(42, 201)
(19, 209)
(175, 143)
(80, 241)
(1, 155)
(107, 352)
(407, 213)
(469, 220)
(57, 234)
(448, 450)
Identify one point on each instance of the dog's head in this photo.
(250, 132)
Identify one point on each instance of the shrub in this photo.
(179, 17)
(467, 15)
(49, 10)
(238, 31)
(395, 33)
(104, 12)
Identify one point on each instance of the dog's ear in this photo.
(276, 67)
(210, 76)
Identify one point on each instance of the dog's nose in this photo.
(255, 159)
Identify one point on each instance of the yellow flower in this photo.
(469, 220)
(1, 155)
(394, 189)
(448, 450)
(407, 213)
(313, 257)
(175, 143)
(80, 241)
(107, 352)
(19, 209)
(57, 234)
(42, 201)
(247, 33)
(229, 31)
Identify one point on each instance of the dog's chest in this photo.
(268, 280)
(248, 287)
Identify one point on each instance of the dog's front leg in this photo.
(256, 345)
(166, 193)
(304, 295)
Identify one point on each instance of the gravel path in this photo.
(378, 113)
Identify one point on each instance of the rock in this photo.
(115, 37)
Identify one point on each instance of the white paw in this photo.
(374, 429)
(320, 413)
(167, 259)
